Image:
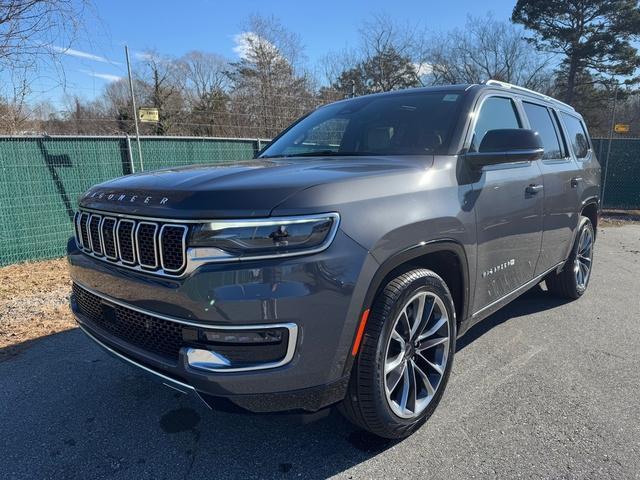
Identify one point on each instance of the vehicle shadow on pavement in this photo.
(82, 414)
(533, 301)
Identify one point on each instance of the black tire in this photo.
(565, 283)
(366, 403)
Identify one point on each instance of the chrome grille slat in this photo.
(108, 236)
(76, 229)
(147, 245)
(125, 234)
(94, 234)
(151, 246)
(173, 246)
(84, 231)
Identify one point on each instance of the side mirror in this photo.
(505, 146)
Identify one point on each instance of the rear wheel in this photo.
(405, 357)
(574, 278)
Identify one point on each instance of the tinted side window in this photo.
(540, 120)
(577, 135)
(495, 113)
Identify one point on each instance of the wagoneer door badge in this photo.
(497, 268)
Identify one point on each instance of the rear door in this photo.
(560, 179)
(508, 213)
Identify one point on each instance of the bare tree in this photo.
(270, 88)
(487, 48)
(160, 82)
(203, 73)
(204, 82)
(36, 28)
(389, 56)
(33, 32)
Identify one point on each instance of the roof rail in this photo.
(498, 83)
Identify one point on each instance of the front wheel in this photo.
(574, 278)
(405, 357)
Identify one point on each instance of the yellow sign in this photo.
(621, 128)
(148, 115)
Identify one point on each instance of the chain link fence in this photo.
(42, 178)
(622, 186)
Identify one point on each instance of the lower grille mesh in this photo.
(165, 338)
(149, 333)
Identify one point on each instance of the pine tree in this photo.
(593, 37)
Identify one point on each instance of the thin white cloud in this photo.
(104, 76)
(85, 55)
(247, 42)
(144, 56)
(423, 69)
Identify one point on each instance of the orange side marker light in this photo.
(361, 327)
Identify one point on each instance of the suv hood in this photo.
(245, 189)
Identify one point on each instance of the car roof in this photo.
(477, 87)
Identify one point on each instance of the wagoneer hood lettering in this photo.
(243, 189)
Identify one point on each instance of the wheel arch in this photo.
(591, 210)
(447, 258)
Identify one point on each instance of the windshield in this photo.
(409, 124)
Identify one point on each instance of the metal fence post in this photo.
(613, 124)
(133, 104)
(131, 163)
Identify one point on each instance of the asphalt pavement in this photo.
(543, 389)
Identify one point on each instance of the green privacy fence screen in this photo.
(622, 188)
(42, 178)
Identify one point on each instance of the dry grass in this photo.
(34, 302)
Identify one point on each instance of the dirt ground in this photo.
(34, 302)
(34, 296)
(619, 217)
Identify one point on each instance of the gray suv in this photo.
(341, 265)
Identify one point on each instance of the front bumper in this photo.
(320, 294)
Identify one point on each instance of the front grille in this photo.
(152, 246)
(165, 338)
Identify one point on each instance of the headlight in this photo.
(258, 238)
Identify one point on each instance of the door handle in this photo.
(533, 189)
(575, 181)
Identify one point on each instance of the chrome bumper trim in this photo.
(292, 328)
(165, 379)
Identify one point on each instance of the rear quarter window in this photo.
(576, 135)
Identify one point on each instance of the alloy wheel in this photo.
(416, 354)
(584, 258)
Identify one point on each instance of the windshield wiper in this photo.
(326, 153)
(320, 153)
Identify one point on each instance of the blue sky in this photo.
(176, 27)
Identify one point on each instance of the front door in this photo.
(508, 206)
